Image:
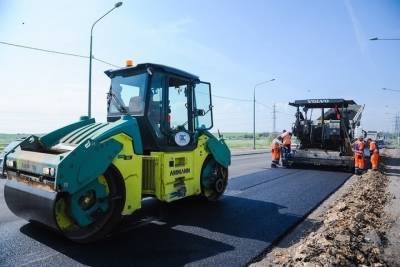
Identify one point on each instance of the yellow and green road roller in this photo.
(82, 179)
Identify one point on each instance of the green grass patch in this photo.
(233, 140)
(5, 139)
(239, 141)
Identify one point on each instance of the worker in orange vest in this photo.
(276, 151)
(287, 143)
(374, 154)
(359, 157)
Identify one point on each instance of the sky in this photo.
(314, 49)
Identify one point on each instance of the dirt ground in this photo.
(358, 226)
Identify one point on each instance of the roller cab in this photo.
(81, 179)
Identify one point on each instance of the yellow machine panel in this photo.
(130, 166)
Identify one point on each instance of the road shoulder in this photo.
(392, 248)
(349, 227)
(242, 152)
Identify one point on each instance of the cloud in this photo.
(176, 27)
(361, 38)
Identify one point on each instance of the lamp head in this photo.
(118, 4)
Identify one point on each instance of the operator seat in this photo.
(136, 105)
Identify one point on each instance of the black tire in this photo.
(109, 220)
(213, 185)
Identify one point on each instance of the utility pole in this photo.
(397, 116)
(274, 119)
(397, 128)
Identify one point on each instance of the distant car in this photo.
(381, 144)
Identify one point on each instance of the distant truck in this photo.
(372, 134)
(378, 137)
(325, 129)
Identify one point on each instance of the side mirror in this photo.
(199, 112)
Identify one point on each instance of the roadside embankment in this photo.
(359, 226)
(392, 170)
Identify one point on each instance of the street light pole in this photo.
(393, 90)
(91, 57)
(254, 110)
(384, 39)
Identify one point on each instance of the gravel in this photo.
(353, 230)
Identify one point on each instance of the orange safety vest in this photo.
(275, 151)
(359, 147)
(286, 138)
(373, 148)
(374, 155)
(275, 145)
(359, 154)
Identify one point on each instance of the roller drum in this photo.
(30, 203)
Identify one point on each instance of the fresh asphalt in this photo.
(260, 205)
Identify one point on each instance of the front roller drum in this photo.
(53, 209)
(30, 203)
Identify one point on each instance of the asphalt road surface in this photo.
(260, 205)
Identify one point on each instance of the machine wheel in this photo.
(214, 179)
(285, 164)
(105, 221)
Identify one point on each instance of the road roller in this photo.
(83, 178)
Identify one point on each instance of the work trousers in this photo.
(286, 150)
(375, 160)
(359, 161)
(276, 154)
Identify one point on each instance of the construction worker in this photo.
(276, 151)
(374, 154)
(287, 143)
(359, 157)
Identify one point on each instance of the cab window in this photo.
(128, 94)
(155, 111)
(178, 117)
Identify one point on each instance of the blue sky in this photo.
(314, 49)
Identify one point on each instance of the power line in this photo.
(262, 104)
(108, 63)
(233, 98)
(240, 100)
(105, 62)
(57, 52)
(113, 65)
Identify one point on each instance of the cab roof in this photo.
(323, 103)
(152, 67)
